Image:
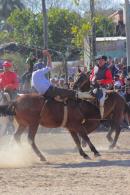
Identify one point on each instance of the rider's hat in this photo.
(38, 66)
(7, 64)
(101, 57)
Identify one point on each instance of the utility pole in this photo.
(127, 26)
(45, 27)
(93, 32)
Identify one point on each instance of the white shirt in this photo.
(39, 80)
(96, 68)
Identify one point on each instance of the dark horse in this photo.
(115, 108)
(78, 116)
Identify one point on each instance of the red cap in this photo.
(7, 64)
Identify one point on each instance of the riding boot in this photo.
(84, 95)
(101, 111)
(101, 102)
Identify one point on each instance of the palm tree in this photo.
(7, 6)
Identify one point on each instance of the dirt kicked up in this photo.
(66, 172)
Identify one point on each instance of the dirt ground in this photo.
(66, 173)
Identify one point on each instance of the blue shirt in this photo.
(39, 80)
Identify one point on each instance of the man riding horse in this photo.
(43, 86)
(101, 77)
(8, 80)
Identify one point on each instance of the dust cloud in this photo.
(13, 155)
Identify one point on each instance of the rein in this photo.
(83, 83)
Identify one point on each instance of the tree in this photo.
(60, 24)
(27, 27)
(7, 6)
(104, 26)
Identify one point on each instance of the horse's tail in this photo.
(7, 110)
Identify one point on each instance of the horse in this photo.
(115, 108)
(6, 123)
(32, 110)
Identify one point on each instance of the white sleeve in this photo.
(46, 69)
(95, 69)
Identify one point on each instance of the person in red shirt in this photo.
(103, 75)
(102, 78)
(8, 80)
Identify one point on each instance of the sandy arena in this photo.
(66, 173)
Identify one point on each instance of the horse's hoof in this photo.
(118, 147)
(84, 145)
(109, 139)
(97, 154)
(111, 146)
(43, 159)
(46, 163)
(87, 157)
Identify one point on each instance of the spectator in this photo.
(9, 80)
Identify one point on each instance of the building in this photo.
(118, 18)
(109, 46)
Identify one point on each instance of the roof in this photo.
(110, 38)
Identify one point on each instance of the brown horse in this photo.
(115, 108)
(79, 117)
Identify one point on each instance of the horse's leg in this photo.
(109, 134)
(3, 122)
(10, 128)
(84, 135)
(117, 133)
(18, 133)
(77, 142)
(116, 123)
(31, 138)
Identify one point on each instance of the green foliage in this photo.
(25, 26)
(66, 29)
(7, 6)
(5, 37)
(76, 1)
(104, 26)
(80, 33)
(60, 24)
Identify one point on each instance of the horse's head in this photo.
(82, 82)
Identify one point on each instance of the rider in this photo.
(30, 61)
(102, 78)
(42, 84)
(8, 80)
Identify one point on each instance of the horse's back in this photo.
(29, 102)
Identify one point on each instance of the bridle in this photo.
(81, 84)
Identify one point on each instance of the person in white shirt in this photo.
(41, 83)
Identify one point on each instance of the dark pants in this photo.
(26, 76)
(63, 93)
